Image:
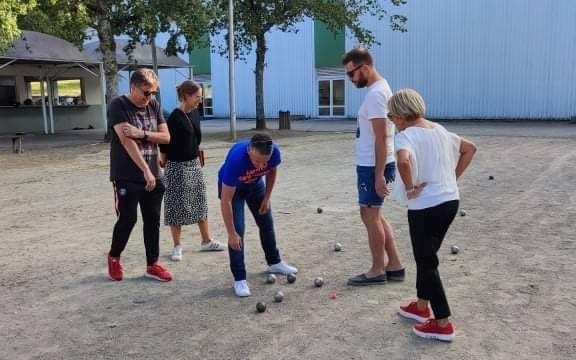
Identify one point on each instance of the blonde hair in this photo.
(144, 77)
(407, 104)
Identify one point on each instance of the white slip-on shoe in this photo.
(282, 268)
(213, 245)
(241, 288)
(176, 253)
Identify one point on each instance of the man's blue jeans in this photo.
(252, 195)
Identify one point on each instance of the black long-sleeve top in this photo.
(185, 136)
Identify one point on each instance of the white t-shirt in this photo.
(375, 106)
(434, 154)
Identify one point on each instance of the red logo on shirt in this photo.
(252, 175)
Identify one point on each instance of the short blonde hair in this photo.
(407, 104)
(144, 77)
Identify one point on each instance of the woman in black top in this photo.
(185, 199)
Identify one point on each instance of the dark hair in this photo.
(143, 77)
(187, 87)
(262, 143)
(358, 56)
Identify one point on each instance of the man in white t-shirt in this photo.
(375, 167)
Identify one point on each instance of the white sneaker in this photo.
(176, 253)
(213, 245)
(241, 288)
(282, 268)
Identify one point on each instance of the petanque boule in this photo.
(291, 278)
(261, 307)
(463, 213)
(337, 247)
(454, 249)
(278, 296)
(490, 177)
(270, 279)
(318, 282)
(319, 210)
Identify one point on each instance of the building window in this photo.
(207, 104)
(66, 92)
(8, 91)
(33, 91)
(331, 100)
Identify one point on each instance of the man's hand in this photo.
(234, 241)
(132, 132)
(265, 206)
(150, 180)
(381, 187)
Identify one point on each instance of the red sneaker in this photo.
(158, 272)
(114, 268)
(411, 311)
(431, 330)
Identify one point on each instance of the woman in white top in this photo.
(429, 161)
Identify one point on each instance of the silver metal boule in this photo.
(261, 307)
(270, 279)
(278, 296)
(318, 282)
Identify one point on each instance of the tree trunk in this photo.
(108, 49)
(260, 63)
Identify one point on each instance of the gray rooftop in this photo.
(35, 47)
(140, 56)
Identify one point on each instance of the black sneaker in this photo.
(396, 275)
(363, 280)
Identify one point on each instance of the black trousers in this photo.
(127, 196)
(427, 230)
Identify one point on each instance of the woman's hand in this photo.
(162, 160)
(415, 191)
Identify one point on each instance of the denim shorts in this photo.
(367, 196)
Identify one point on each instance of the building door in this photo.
(207, 105)
(331, 102)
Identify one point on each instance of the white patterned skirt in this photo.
(185, 197)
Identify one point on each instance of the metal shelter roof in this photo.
(35, 47)
(140, 56)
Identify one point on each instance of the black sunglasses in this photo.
(351, 72)
(149, 93)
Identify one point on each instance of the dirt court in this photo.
(511, 288)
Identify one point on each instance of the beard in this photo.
(361, 83)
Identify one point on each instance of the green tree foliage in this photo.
(10, 10)
(186, 21)
(254, 18)
(60, 19)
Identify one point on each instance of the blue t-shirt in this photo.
(238, 170)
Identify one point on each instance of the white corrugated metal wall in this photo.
(288, 76)
(481, 58)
